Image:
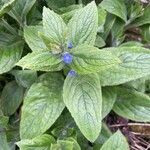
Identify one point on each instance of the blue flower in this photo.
(70, 45)
(67, 58)
(72, 73)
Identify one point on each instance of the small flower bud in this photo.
(67, 58)
(70, 45)
(72, 73)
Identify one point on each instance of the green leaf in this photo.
(41, 61)
(56, 5)
(132, 105)
(145, 31)
(117, 142)
(3, 141)
(83, 26)
(116, 7)
(144, 19)
(3, 120)
(42, 142)
(5, 6)
(99, 42)
(32, 38)
(62, 145)
(20, 10)
(109, 98)
(82, 96)
(11, 98)
(131, 44)
(54, 27)
(135, 63)
(42, 105)
(9, 55)
(87, 59)
(25, 78)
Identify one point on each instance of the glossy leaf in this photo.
(135, 62)
(82, 96)
(132, 105)
(42, 142)
(42, 105)
(9, 55)
(116, 7)
(11, 98)
(116, 141)
(41, 61)
(87, 59)
(83, 26)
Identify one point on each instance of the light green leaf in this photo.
(145, 31)
(25, 78)
(135, 63)
(9, 55)
(82, 96)
(88, 59)
(54, 27)
(5, 6)
(32, 38)
(20, 10)
(42, 105)
(42, 142)
(109, 98)
(117, 142)
(131, 44)
(11, 98)
(99, 42)
(132, 105)
(116, 7)
(83, 26)
(144, 19)
(41, 61)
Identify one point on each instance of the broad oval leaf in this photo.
(42, 105)
(116, 7)
(42, 142)
(82, 96)
(117, 142)
(9, 56)
(32, 38)
(87, 59)
(135, 63)
(54, 27)
(41, 61)
(11, 98)
(132, 105)
(83, 26)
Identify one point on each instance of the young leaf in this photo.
(116, 141)
(11, 98)
(9, 55)
(132, 105)
(32, 38)
(42, 142)
(42, 105)
(54, 27)
(87, 59)
(82, 96)
(109, 98)
(83, 26)
(135, 63)
(116, 7)
(6, 6)
(41, 61)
